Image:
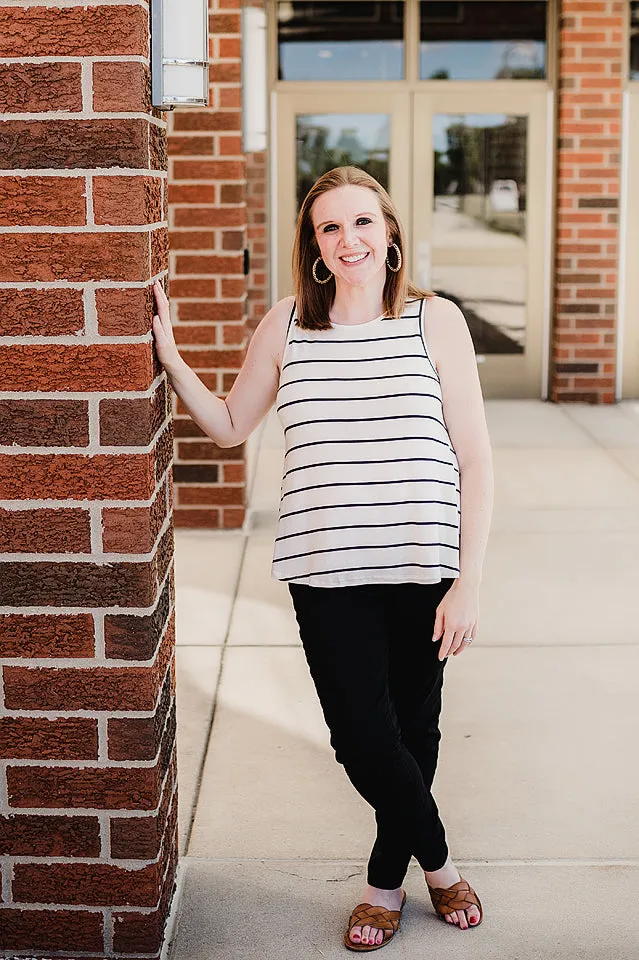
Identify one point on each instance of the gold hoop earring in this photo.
(399, 259)
(315, 277)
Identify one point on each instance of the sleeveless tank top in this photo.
(370, 489)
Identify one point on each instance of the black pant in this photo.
(375, 667)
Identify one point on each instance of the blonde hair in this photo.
(315, 300)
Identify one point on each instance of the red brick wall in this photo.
(87, 702)
(207, 217)
(257, 237)
(592, 47)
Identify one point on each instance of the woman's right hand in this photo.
(163, 331)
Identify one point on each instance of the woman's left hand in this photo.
(456, 618)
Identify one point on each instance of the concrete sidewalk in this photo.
(538, 782)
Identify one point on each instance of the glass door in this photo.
(319, 131)
(479, 223)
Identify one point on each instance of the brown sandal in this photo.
(366, 915)
(460, 896)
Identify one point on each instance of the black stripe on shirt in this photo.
(364, 463)
(383, 396)
(315, 443)
(400, 356)
(385, 566)
(369, 483)
(384, 376)
(397, 336)
(368, 526)
(400, 416)
(364, 546)
(381, 503)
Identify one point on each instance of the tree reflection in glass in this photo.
(325, 141)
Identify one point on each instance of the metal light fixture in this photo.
(179, 53)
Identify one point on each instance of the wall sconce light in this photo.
(179, 53)
(253, 79)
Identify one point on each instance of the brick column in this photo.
(88, 831)
(207, 216)
(591, 58)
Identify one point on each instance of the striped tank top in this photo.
(370, 490)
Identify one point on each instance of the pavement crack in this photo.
(350, 876)
(313, 944)
(300, 876)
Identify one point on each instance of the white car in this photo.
(504, 196)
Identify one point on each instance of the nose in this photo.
(350, 236)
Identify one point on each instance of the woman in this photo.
(384, 515)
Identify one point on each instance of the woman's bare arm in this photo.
(227, 422)
(452, 352)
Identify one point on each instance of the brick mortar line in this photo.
(98, 634)
(70, 4)
(206, 206)
(90, 309)
(51, 115)
(80, 58)
(93, 416)
(221, 180)
(86, 83)
(7, 879)
(86, 228)
(95, 521)
(90, 211)
(105, 834)
(108, 931)
(49, 764)
(81, 284)
(103, 738)
(216, 251)
(127, 863)
(83, 171)
(19, 505)
(82, 907)
(89, 451)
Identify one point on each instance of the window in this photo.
(482, 40)
(326, 40)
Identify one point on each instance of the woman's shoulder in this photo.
(445, 328)
(277, 318)
(441, 314)
(271, 332)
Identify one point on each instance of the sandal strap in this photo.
(460, 896)
(366, 915)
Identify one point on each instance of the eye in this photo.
(329, 226)
(364, 220)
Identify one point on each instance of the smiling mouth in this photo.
(354, 258)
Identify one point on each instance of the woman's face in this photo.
(351, 232)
